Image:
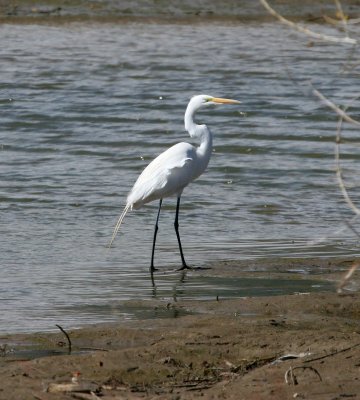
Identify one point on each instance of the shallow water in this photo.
(84, 108)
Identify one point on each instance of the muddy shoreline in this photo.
(172, 11)
(229, 349)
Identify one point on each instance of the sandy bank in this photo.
(223, 349)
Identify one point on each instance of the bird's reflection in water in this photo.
(177, 287)
(180, 285)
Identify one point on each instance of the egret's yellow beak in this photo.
(219, 100)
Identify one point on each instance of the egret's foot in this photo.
(153, 269)
(185, 266)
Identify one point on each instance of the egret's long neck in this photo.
(190, 125)
(202, 133)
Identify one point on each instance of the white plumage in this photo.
(170, 172)
(165, 176)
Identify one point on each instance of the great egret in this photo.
(173, 170)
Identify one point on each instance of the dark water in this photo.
(85, 107)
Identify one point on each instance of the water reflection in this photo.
(188, 285)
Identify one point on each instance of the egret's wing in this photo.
(169, 173)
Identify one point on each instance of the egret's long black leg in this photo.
(176, 225)
(152, 268)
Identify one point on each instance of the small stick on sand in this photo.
(333, 354)
(67, 337)
(290, 377)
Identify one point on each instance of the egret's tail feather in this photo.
(118, 224)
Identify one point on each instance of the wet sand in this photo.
(218, 349)
(169, 11)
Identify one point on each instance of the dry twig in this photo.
(342, 16)
(67, 337)
(333, 354)
(342, 116)
(347, 276)
(291, 378)
(302, 29)
(343, 189)
(341, 113)
(85, 396)
(70, 387)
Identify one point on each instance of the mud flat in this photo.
(218, 349)
(188, 11)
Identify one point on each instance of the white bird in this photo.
(170, 172)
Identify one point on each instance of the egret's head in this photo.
(200, 101)
(204, 100)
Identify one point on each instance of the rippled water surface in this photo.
(85, 107)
